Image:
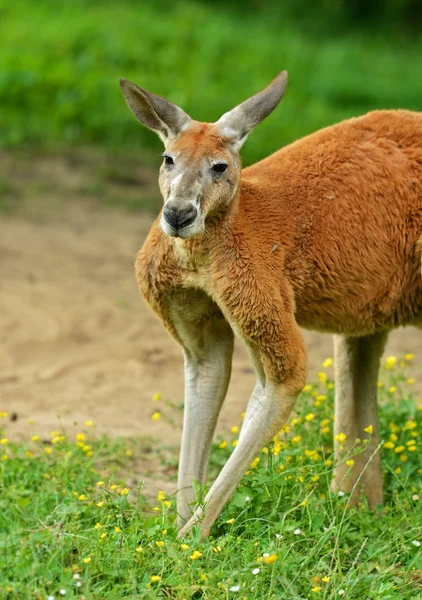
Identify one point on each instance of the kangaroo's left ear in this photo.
(237, 123)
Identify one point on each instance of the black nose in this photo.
(180, 218)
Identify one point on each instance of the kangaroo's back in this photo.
(346, 202)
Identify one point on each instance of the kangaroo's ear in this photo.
(237, 123)
(156, 113)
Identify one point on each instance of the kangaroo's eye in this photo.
(168, 161)
(219, 167)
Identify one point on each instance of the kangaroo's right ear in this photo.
(156, 113)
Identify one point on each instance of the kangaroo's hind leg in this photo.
(356, 374)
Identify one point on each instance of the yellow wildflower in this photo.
(409, 357)
(139, 549)
(296, 439)
(322, 377)
(4, 457)
(82, 497)
(389, 445)
(100, 483)
(325, 579)
(87, 560)
(234, 443)
(410, 381)
(89, 423)
(97, 526)
(100, 504)
(184, 546)
(399, 449)
(316, 589)
(159, 544)
(397, 471)
(195, 555)
(350, 462)
(3, 414)
(410, 425)
(124, 491)
(270, 559)
(403, 457)
(340, 437)
(255, 462)
(307, 388)
(3, 441)
(103, 536)
(80, 437)
(156, 396)
(327, 363)
(29, 454)
(203, 577)
(310, 417)
(234, 429)
(223, 444)
(156, 416)
(390, 361)
(380, 384)
(369, 429)
(155, 578)
(167, 503)
(48, 450)
(117, 529)
(230, 521)
(392, 389)
(35, 438)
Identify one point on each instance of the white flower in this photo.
(62, 592)
(255, 571)
(50, 597)
(416, 543)
(340, 493)
(278, 536)
(297, 531)
(265, 555)
(76, 576)
(234, 588)
(415, 497)
(247, 499)
(341, 592)
(78, 584)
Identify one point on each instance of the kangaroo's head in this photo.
(201, 169)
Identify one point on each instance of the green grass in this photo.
(68, 521)
(60, 64)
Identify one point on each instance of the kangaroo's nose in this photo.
(179, 218)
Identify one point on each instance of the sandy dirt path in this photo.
(76, 340)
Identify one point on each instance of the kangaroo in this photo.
(324, 234)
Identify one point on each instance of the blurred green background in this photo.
(60, 63)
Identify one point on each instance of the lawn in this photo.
(71, 527)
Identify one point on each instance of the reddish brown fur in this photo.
(325, 233)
